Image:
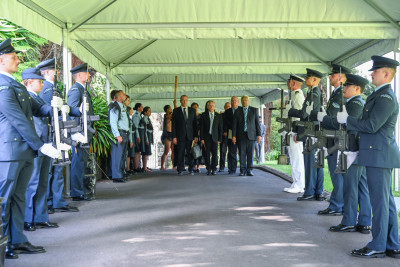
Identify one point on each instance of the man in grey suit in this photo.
(260, 145)
(245, 131)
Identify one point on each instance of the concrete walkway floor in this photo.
(161, 219)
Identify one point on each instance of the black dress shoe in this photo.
(50, 210)
(27, 248)
(319, 197)
(343, 228)
(81, 198)
(208, 172)
(306, 198)
(367, 253)
(250, 173)
(67, 208)
(119, 180)
(213, 173)
(29, 226)
(364, 229)
(242, 174)
(42, 225)
(10, 254)
(329, 212)
(394, 253)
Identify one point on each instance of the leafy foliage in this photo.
(23, 40)
(101, 143)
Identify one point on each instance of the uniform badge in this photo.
(335, 105)
(387, 96)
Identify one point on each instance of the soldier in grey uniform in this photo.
(55, 198)
(18, 147)
(295, 147)
(314, 177)
(337, 77)
(355, 188)
(260, 145)
(379, 154)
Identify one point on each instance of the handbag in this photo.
(196, 150)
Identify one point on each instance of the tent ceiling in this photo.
(216, 48)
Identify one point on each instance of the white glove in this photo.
(283, 133)
(292, 134)
(285, 114)
(81, 107)
(342, 116)
(79, 138)
(50, 151)
(56, 102)
(321, 114)
(286, 110)
(309, 108)
(64, 147)
(65, 109)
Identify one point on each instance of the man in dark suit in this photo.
(223, 146)
(184, 132)
(232, 147)
(211, 135)
(246, 130)
(379, 153)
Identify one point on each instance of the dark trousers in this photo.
(182, 149)
(385, 225)
(232, 156)
(118, 156)
(355, 194)
(223, 148)
(36, 192)
(78, 168)
(336, 201)
(14, 178)
(55, 197)
(246, 153)
(211, 149)
(314, 177)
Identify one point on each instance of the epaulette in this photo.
(4, 87)
(49, 89)
(335, 105)
(387, 96)
(358, 103)
(297, 92)
(72, 89)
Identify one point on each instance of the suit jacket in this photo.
(227, 120)
(253, 125)
(181, 129)
(18, 138)
(216, 127)
(378, 147)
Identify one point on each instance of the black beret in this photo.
(383, 62)
(314, 73)
(356, 80)
(49, 64)
(7, 48)
(339, 69)
(31, 73)
(81, 68)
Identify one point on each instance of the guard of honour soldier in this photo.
(26, 155)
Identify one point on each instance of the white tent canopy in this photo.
(217, 48)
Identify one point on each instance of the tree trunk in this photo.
(267, 122)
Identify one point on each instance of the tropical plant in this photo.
(101, 142)
(23, 40)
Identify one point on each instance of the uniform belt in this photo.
(124, 131)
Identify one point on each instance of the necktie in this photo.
(184, 114)
(211, 123)
(245, 119)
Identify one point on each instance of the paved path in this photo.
(161, 219)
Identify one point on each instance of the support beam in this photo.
(207, 84)
(219, 64)
(383, 14)
(356, 50)
(137, 83)
(396, 86)
(119, 77)
(93, 51)
(309, 51)
(134, 52)
(42, 12)
(92, 14)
